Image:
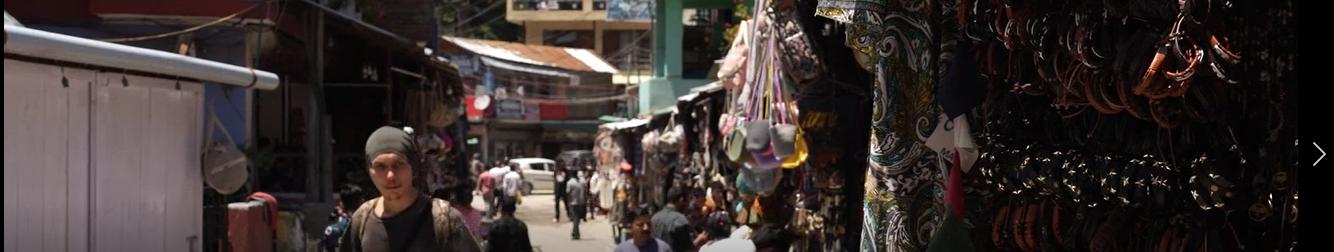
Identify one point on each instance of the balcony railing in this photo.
(555, 5)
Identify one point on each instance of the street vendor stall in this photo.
(616, 154)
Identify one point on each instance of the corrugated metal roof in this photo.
(574, 59)
(591, 60)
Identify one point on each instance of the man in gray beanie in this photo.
(402, 219)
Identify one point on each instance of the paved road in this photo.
(537, 212)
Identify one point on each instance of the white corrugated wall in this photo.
(98, 166)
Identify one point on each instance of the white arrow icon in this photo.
(1322, 154)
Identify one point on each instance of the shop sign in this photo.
(510, 109)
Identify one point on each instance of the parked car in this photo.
(576, 159)
(536, 172)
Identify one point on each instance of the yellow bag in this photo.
(799, 153)
(518, 198)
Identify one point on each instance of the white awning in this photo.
(521, 68)
(632, 123)
(696, 91)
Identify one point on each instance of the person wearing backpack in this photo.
(402, 219)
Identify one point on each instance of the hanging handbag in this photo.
(783, 137)
(732, 73)
(670, 139)
(758, 135)
(758, 129)
(796, 137)
(798, 56)
(799, 154)
(735, 142)
(759, 138)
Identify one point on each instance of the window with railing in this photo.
(551, 5)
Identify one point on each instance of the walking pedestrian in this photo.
(486, 186)
(595, 182)
(402, 218)
(511, 182)
(559, 179)
(578, 194)
(508, 234)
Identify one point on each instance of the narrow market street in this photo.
(683, 126)
(537, 211)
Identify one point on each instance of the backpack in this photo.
(440, 211)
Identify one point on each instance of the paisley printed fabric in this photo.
(901, 42)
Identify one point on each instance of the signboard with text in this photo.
(509, 109)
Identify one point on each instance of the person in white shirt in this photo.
(497, 173)
(499, 170)
(511, 183)
(595, 185)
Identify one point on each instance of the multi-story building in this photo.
(584, 24)
(662, 47)
(532, 100)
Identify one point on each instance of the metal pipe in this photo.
(41, 44)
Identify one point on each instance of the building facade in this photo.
(532, 100)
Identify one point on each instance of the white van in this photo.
(537, 173)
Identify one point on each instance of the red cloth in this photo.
(954, 188)
(272, 204)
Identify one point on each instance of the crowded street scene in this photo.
(656, 125)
